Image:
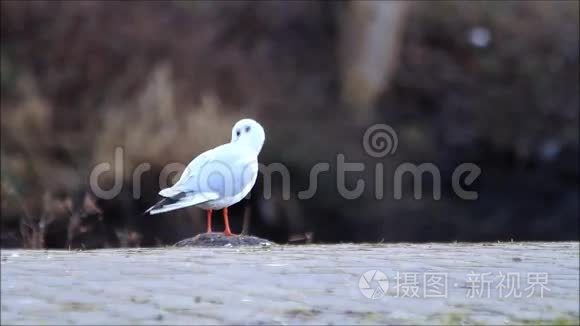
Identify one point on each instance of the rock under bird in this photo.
(219, 177)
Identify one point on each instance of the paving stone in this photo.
(310, 284)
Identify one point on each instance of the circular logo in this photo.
(373, 284)
(380, 140)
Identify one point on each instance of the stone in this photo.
(218, 239)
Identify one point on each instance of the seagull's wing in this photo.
(182, 194)
(190, 173)
(194, 185)
(214, 171)
(180, 201)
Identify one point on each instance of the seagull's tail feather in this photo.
(181, 200)
(170, 192)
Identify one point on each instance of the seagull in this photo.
(219, 177)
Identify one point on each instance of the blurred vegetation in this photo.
(494, 83)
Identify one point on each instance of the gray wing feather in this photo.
(218, 170)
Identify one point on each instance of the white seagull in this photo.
(219, 177)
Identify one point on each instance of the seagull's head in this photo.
(250, 133)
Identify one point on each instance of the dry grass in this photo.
(152, 129)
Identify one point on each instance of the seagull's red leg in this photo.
(227, 231)
(209, 220)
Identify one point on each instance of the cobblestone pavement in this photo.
(310, 284)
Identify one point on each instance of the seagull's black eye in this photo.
(247, 129)
(238, 133)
